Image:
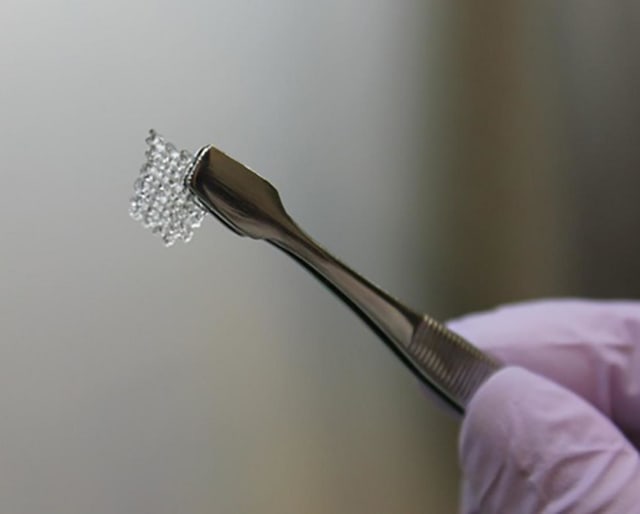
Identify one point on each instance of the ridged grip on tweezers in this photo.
(251, 206)
(455, 367)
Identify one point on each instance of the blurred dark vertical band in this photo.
(601, 88)
(540, 169)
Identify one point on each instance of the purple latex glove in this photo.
(560, 430)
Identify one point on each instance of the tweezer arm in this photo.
(438, 357)
(250, 206)
(391, 317)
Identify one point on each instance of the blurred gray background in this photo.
(459, 154)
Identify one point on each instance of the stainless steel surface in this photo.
(251, 206)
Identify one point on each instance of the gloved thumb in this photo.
(530, 446)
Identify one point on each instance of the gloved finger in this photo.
(528, 445)
(591, 348)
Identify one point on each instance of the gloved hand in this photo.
(559, 432)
